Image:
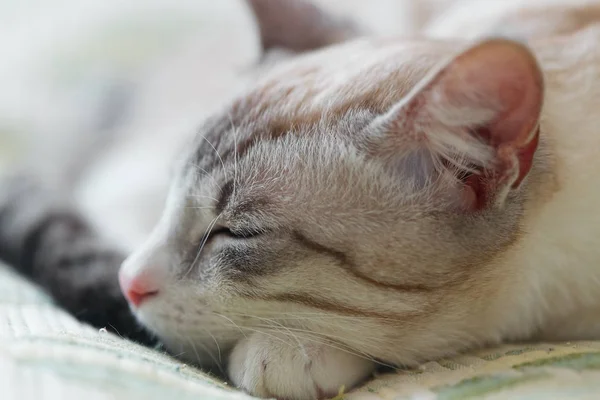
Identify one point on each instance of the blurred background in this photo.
(106, 92)
(60, 59)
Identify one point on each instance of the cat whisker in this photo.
(323, 340)
(307, 335)
(347, 324)
(195, 196)
(198, 361)
(218, 347)
(289, 331)
(250, 329)
(205, 173)
(111, 325)
(321, 335)
(207, 351)
(218, 155)
(205, 239)
(235, 156)
(310, 315)
(232, 322)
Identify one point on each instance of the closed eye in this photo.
(237, 233)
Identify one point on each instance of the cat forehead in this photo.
(317, 92)
(368, 73)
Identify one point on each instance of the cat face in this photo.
(361, 191)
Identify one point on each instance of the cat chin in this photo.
(191, 340)
(202, 352)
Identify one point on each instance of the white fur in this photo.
(557, 262)
(265, 364)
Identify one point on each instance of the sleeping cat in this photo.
(366, 201)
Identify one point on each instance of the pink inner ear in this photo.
(502, 76)
(481, 189)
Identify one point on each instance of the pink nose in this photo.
(139, 288)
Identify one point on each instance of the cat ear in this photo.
(298, 25)
(477, 117)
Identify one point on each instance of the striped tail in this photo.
(44, 238)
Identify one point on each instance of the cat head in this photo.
(362, 189)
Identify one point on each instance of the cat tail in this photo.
(44, 239)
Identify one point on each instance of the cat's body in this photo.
(385, 198)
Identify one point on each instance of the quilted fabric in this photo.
(47, 354)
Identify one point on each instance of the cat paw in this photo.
(284, 367)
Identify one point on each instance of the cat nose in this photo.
(139, 288)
